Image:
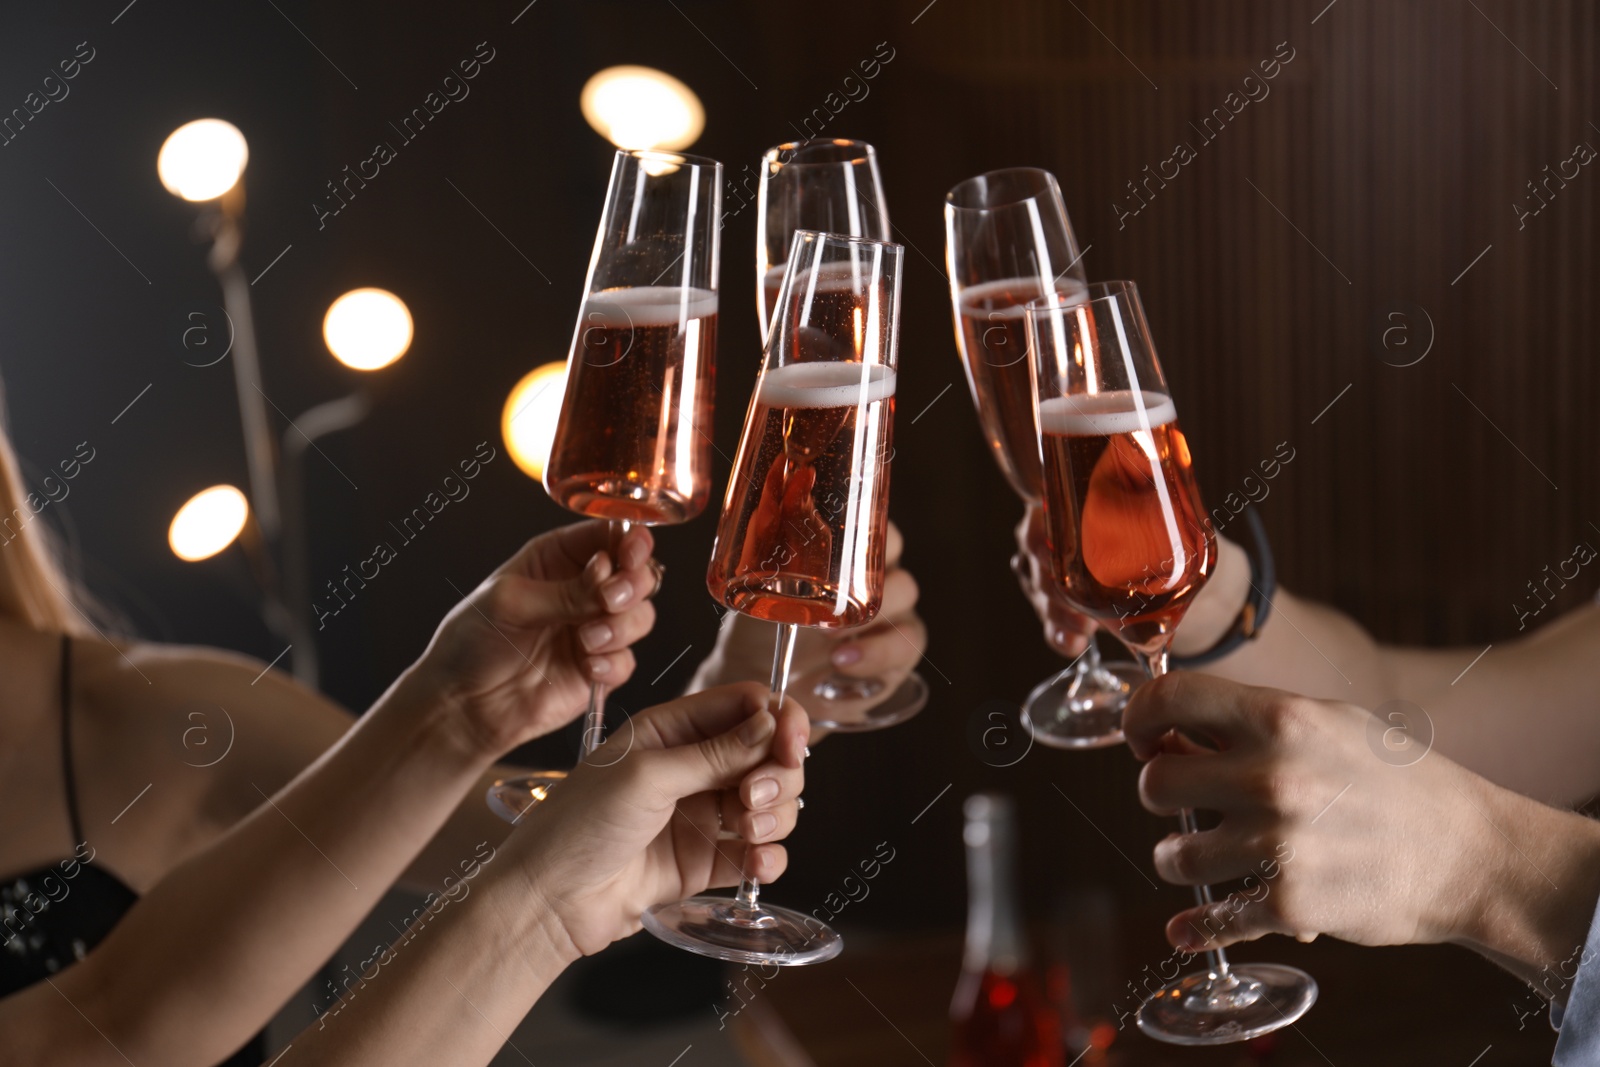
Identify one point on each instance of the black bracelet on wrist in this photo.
(1257, 606)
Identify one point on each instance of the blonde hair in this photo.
(34, 591)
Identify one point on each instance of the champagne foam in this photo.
(974, 300)
(647, 305)
(1103, 414)
(840, 276)
(825, 385)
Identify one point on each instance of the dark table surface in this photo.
(886, 999)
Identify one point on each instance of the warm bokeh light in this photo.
(208, 523)
(641, 107)
(366, 329)
(528, 421)
(202, 159)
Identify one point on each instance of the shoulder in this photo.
(130, 674)
(242, 725)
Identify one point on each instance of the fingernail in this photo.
(634, 554)
(599, 667)
(617, 592)
(846, 654)
(763, 823)
(763, 792)
(595, 566)
(758, 728)
(594, 635)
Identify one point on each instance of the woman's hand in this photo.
(1065, 629)
(1345, 824)
(888, 647)
(642, 820)
(516, 657)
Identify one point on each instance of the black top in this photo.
(52, 917)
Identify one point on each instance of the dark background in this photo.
(1386, 157)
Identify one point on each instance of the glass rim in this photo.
(1098, 293)
(666, 155)
(1047, 185)
(843, 239)
(865, 153)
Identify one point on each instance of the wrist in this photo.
(1537, 888)
(435, 715)
(529, 919)
(1217, 604)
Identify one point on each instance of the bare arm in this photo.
(621, 834)
(294, 726)
(217, 945)
(282, 727)
(1522, 716)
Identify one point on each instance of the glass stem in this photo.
(1155, 664)
(594, 720)
(1216, 959)
(782, 656)
(1085, 670)
(1089, 662)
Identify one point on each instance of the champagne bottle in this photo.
(1000, 1015)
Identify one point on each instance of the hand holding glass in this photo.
(633, 442)
(1130, 546)
(804, 527)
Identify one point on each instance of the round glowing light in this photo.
(528, 421)
(641, 107)
(202, 159)
(366, 329)
(208, 523)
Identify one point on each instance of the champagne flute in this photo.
(632, 445)
(830, 185)
(1130, 546)
(827, 185)
(1008, 241)
(804, 527)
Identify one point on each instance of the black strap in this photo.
(1257, 605)
(66, 742)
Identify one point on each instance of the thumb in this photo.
(1227, 922)
(717, 762)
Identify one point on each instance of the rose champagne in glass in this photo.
(829, 185)
(1130, 546)
(633, 443)
(1008, 241)
(804, 526)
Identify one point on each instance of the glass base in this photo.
(1255, 999)
(721, 928)
(512, 798)
(1082, 708)
(846, 698)
(845, 687)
